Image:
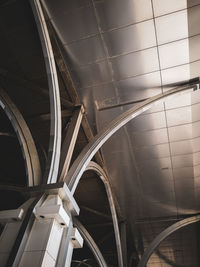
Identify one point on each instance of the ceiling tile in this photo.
(195, 111)
(156, 164)
(196, 144)
(149, 121)
(85, 51)
(162, 7)
(181, 147)
(111, 15)
(175, 74)
(126, 66)
(78, 24)
(152, 152)
(174, 54)
(149, 138)
(179, 116)
(139, 87)
(194, 20)
(176, 21)
(67, 6)
(92, 74)
(195, 97)
(130, 39)
(195, 69)
(185, 172)
(194, 43)
(178, 101)
(193, 2)
(196, 129)
(181, 132)
(181, 161)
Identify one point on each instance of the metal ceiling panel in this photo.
(78, 23)
(194, 43)
(176, 74)
(157, 108)
(196, 129)
(125, 66)
(149, 121)
(181, 147)
(159, 163)
(177, 21)
(193, 20)
(196, 158)
(130, 39)
(195, 69)
(181, 161)
(139, 87)
(177, 54)
(178, 102)
(193, 3)
(152, 152)
(183, 184)
(162, 7)
(65, 6)
(195, 112)
(179, 116)
(164, 209)
(111, 47)
(92, 74)
(79, 54)
(110, 12)
(156, 195)
(181, 132)
(196, 144)
(156, 185)
(164, 178)
(195, 97)
(149, 138)
(185, 172)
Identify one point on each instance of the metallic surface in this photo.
(55, 128)
(125, 51)
(88, 152)
(171, 229)
(25, 139)
(120, 57)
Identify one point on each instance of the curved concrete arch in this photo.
(80, 164)
(24, 136)
(53, 159)
(164, 234)
(100, 172)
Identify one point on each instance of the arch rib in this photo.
(91, 243)
(51, 171)
(80, 164)
(24, 136)
(164, 234)
(100, 172)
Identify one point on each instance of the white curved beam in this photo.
(24, 136)
(51, 171)
(164, 234)
(100, 172)
(80, 164)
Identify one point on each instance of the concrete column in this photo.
(12, 220)
(43, 243)
(76, 241)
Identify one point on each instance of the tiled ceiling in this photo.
(124, 51)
